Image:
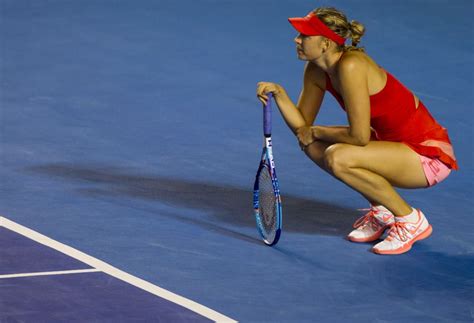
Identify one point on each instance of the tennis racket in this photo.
(266, 191)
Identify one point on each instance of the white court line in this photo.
(51, 273)
(115, 272)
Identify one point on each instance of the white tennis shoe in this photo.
(403, 234)
(372, 225)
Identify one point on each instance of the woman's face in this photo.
(309, 48)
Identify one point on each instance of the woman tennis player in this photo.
(391, 139)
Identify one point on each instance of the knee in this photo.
(315, 152)
(336, 159)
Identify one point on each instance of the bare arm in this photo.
(312, 93)
(353, 80)
(309, 102)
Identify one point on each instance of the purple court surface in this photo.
(130, 135)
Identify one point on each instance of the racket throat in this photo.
(269, 152)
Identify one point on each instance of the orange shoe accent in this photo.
(406, 247)
(378, 226)
(377, 234)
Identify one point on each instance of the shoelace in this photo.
(367, 219)
(398, 230)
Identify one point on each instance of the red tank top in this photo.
(394, 117)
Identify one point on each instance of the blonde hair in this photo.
(337, 21)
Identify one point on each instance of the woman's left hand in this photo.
(305, 136)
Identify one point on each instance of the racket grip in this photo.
(267, 117)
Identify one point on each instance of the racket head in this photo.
(267, 204)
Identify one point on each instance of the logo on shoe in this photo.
(413, 228)
(386, 217)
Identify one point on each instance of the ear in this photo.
(326, 44)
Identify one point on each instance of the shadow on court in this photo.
(231, 205)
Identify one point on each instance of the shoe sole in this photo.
(374, 237)
(425, 234)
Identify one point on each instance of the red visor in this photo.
(312, 26)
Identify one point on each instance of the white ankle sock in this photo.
(412, 217)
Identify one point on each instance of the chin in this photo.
(301, 56)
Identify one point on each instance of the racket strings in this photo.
(267, 203)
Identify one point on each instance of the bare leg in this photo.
(317, 152)
(373, 170)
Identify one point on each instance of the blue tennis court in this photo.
(130, 135)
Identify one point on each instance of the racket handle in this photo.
(267, 117)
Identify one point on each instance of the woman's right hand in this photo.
(305, 136)
(263, 88)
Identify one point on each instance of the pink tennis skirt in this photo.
(435, 171)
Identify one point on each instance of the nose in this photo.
(297, 39)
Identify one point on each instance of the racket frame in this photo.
(267, 163)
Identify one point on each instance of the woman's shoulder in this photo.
(354, 61)
(313, 74)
